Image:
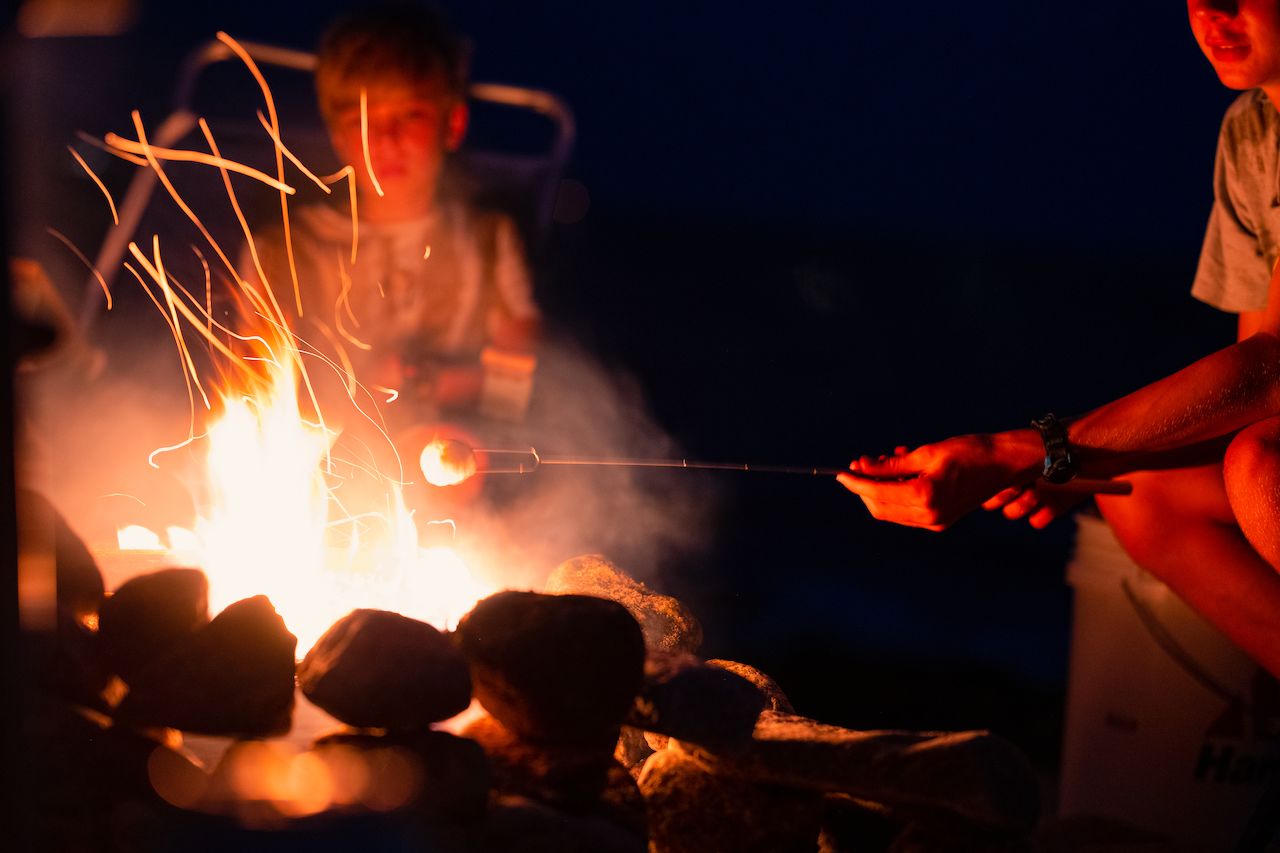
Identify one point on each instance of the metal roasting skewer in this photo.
(482, 460)
(533, 460)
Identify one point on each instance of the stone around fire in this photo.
(453, 773)
(518, 823)
(850, 825)
(693, 809)
(79, 582)
(632, 749)
(683, 697)
(233, 677)
(776, 699)
(555, 668)
(378, 669)
(974, 779)
(84, 779)
(65, 659)
(667, 624)
(151, 615)
(569, 776)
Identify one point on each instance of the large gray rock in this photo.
(621, 801)
(234, 677)
(775, 698)
(521, 824)
(693, 810)
(377, 669)
(452, 773)
(150, 616)
(850, 825)
(568, 776)
(42, 527)
(974, 779)
(668, 625)
(632, 749)
(683, 697)
(66, 660)
(923, 838)
(556, 668)
(84, 781)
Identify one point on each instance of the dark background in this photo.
(815, 230)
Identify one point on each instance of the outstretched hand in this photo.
(934, 485)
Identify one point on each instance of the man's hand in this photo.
(934, 485)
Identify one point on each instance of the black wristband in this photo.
(1059, 464)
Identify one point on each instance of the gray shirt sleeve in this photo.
(1233, 273)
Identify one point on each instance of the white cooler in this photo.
(1169, 726)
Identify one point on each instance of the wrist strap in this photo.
(1059, 463)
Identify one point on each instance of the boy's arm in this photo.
(518, 325)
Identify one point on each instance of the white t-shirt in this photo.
(1242, 241)
(431, 287)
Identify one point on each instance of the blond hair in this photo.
(398, 43)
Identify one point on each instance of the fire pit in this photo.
(576, 718)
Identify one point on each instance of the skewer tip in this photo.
(447, 462)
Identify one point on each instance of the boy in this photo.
(1209, 524)
(435, 284)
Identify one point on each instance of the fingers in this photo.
(897, 502)
(1025, 504)
(1041, 518)
(1001, 498)
(883, 491)
(901, 464)
(1029, 503)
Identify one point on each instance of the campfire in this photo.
(465, 716)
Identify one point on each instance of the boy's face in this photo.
(412, 124)
(1241, 39)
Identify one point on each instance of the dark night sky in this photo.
(1018, 121)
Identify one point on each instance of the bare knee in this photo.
(1251, 470)
(1253, 457)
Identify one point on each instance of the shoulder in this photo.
(1251, 120)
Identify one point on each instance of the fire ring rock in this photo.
(566, 776)
(693, 809)
(776, 700)
(667, 624)
(378, 669)
(684, 698)
(519, 823)
(560, 668)
(972, 779)
(233, 677)
(149, 616)
(452, 774)
(41, 526)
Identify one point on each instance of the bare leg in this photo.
(1252, 474)
(1179, 526)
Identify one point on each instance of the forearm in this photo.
(1213, 397)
